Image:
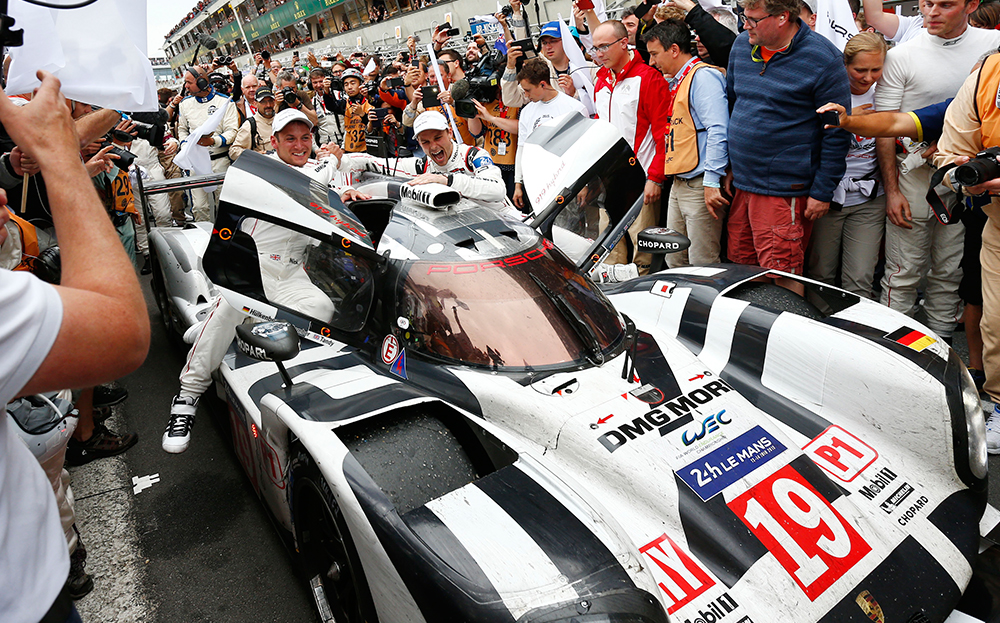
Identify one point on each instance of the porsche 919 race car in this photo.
(481, 433)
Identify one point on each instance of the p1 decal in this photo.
(840, 453)
(390, 349)
(806, 535)
(715, 471)
(676, 573)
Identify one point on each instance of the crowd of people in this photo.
(728, 113)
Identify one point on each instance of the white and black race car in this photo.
(481, 433)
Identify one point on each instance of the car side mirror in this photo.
(269, 341)
(658, 241)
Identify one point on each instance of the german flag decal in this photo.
(911, 338)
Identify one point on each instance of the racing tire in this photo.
(325, 549)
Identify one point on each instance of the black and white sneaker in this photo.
(177, 437)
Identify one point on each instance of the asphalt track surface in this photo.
(197, 544)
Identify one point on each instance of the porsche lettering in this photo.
(469, 269)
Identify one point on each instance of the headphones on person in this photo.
(200, 81)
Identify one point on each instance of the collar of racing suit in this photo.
(457, 163)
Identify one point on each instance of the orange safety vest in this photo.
(988, 100)
(682, 138)
(29, 242)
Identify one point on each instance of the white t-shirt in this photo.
(34, 559)
(535, 114)
(909, 27)
(928, 69)
(861, 157)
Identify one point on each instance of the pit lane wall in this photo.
(381, 35)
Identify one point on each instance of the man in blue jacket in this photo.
(784, 164)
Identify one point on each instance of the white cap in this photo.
(429, 120)
(287, 116)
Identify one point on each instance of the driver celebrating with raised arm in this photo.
(281, 253)
(466, 169)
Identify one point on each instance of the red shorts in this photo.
(771, 232)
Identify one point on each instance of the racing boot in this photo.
(993, 430)
(177, 437)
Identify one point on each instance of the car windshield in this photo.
(527, 311)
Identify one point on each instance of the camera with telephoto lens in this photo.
(983, 168)
(507, 11)
(125, 157)
(289, 95)
(150, 126)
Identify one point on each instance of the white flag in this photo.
(581, 78)
(835, 21)
(194, 157)
(98, 53)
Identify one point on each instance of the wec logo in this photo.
(708, 425)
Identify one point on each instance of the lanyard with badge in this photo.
(502, 137)
(677, 85)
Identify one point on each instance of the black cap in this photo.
(263, 93)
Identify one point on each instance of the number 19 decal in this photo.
(807, 536)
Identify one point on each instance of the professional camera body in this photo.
(290, 95)
(983, 168)
(125, 157)
(481, 81)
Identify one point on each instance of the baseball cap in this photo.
(287, 116)
(812, 4)
(263, 93)
(551, 30)
(429, 120)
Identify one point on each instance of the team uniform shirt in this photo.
(928, 69)
(537, 113)
(34, 559)
(909, 27)
(473, 173)
(635, 102)
(861, 179)
(194, 111)
(500, 144)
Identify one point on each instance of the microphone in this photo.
(459, 89)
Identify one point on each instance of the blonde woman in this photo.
(849, 236)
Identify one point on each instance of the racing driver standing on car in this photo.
(466, 169)
(282, 254)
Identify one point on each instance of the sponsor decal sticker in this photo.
(898, 497)
(878, 482)
(806, 535)
(399, 367)
(390, 349)
(708, 425)
(715, 471)
(870, 607)
(840, 453)
(677, 574)
(717, 611)
(663, 288)
(911, 338)
(667, 417)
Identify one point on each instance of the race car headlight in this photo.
(975, 425)
(622, 606)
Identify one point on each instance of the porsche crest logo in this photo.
(870, 606)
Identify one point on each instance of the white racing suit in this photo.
(470, 171)
(281, 253)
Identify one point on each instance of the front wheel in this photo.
(326, 554)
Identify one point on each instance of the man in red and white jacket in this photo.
(633, 97)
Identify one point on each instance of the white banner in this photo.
(835, 21)
(98, 53)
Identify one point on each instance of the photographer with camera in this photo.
(500, 136)
(326, 83)
(438, 100)
(354, 107)
(287, 95)
(513, 95)
(970, 139)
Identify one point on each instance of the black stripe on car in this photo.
(572, 547)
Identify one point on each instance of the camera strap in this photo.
(253, 133)
(944, 214)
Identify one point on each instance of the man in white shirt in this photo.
(90, 329)
(925, 70)
(545, 103)
(896, 28)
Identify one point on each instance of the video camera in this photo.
(480, 83)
